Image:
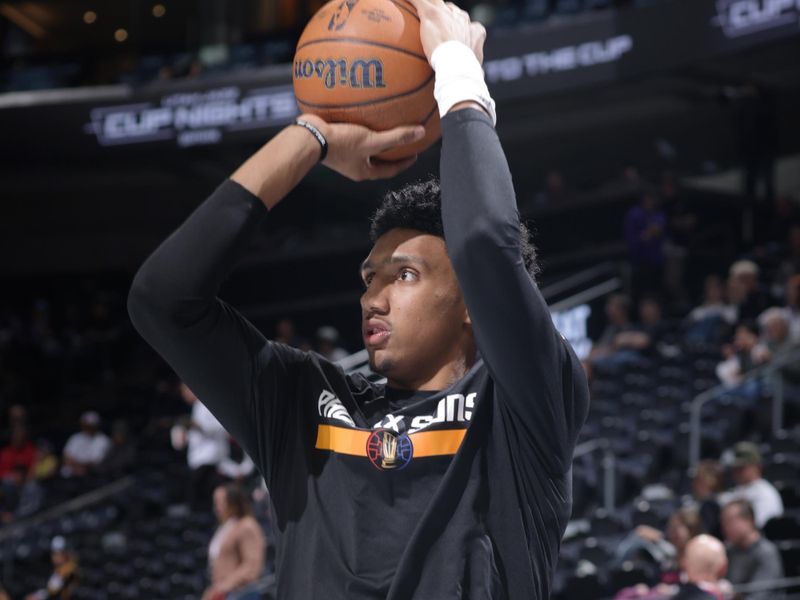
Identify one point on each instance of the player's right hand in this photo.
(442, 21)
(351, 148)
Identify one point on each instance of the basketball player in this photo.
(453, 479)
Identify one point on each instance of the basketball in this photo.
(361, 61)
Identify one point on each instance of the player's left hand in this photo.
(443, 22)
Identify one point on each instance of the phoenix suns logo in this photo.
(340, 16)
(388, 451)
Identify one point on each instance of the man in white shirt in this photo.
(86, 448)
(760, 493)
(207, 447)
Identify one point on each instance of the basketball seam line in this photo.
(405, 8)
(430, 114)
(367, 102)
(365, 42)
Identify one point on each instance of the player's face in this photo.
(414, 321)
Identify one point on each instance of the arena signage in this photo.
(567, 58)
(745, 17)
(192, 118)
(520, 64)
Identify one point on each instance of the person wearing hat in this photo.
(65, 573)
(751, 486)
(86, 448)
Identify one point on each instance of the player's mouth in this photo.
(375, 332)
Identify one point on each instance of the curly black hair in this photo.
(419, 206)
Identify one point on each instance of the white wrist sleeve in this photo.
(459, 78)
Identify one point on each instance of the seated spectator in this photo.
(237, 466)
(606, 350)
(751, 557)
(666, 548)
(707, 483)
(237, 551)
(285, 334)
(651, 330)
(745, 291)
(64, 580)
(774, 324)
(31, 496)
(19, 452)
(750, 486)
(741, 356)
(328, 344)
(10, 492)
(86, 448)
(704, 565)
(46, 463)
(708, 322)
(121, 455)
(207, 446)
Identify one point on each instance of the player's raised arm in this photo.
(541, 380)
(173, 299)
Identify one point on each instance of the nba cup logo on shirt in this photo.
(387, 450)
(361, 73)
(339, 18)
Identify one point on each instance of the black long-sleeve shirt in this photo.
(378, 493)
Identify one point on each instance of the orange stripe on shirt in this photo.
(344, 440)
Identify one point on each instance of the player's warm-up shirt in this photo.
(379, 493)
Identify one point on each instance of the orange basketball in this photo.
(361, 61)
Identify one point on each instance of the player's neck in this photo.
(442, 378)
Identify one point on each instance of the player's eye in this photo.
(367, 278)
(407, 275)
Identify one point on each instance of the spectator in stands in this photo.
(606, 350)
(31, 494)
(46, 463)
(751, 557)
(64, 580)
(668, 547)
(704, 565)
(774, 324)
(207, 446)
(86, 448)
(740, 357)
(328, 343)
(643, 337)
(237, 550)
(707, 483)
(10, 491)
(745, 290)
(285, 334)
(122, 453)
(761, 495)
(17, 417)
(646, 234)
(20, 451)
(237, 466)
(709, 322)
